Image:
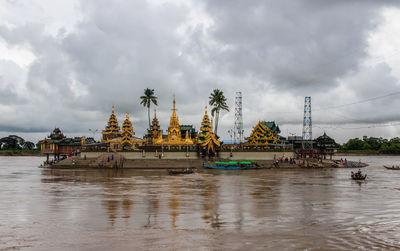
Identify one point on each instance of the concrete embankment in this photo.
(152, 160)
(179, 160)
(78, 162)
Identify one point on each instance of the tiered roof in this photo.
(57, 135)
(127, 131)
(155, 126)
(326, 142)
(264, 133)
(206, 125)
(206, 138)
(112, 129)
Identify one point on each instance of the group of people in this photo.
(357, 174)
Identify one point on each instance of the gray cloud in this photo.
(275, 52)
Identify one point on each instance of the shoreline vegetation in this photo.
(364, 153)
(372, 146)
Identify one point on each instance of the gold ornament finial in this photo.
(174, 102)
(155, 114)
(112, 108)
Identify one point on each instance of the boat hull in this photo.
(392, 168)
(229, 167)
(183, 171)
(356, 177)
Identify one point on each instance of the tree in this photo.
(218, 101)
(356, 144)
(28, 145)
(147, 99)
(12, 142)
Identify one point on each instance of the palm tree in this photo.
(147, 99)
(218, 100)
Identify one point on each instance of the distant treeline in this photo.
(372, 144)
(14, 142)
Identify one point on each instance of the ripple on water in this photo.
(263, 209)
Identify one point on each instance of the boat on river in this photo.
(358, 176)
(392, 167)
(180, 171)
(232, 165)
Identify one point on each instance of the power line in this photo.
(359, 102)
(344, 105)
(360, 127)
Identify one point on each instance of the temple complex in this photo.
(120, 140)
(265, 133)
(206, 139)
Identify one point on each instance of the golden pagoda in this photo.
(120, 139)
(156, 133)
(111, 130)
(206, 138)
(127, 133)
(174, 132)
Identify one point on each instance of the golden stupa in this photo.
(174, 132)
(118, 139)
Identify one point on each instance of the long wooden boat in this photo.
(392, 168)
(180, 171)
(356, 176)
(232, 165)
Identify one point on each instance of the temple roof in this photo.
(325, 141)
(57, 134)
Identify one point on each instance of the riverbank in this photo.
(361, 153)
(111, 161)
(21, 153)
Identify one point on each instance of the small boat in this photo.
(392, 167)
(358, 176)
(232, 165)
(180, 171)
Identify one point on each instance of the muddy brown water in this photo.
(292, 209)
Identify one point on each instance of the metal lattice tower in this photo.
(307, 121)
(238, 127)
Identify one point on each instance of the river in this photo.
(291, 209)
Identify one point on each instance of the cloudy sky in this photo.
(64, 63)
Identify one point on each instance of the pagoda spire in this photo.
(174, 121)
(173, 109)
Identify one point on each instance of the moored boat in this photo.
(232, 165)
(180, 171)
(392, 167)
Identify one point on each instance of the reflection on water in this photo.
(277, 209)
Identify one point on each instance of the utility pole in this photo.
(230, 133)
(307, 121)
(238, 126)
